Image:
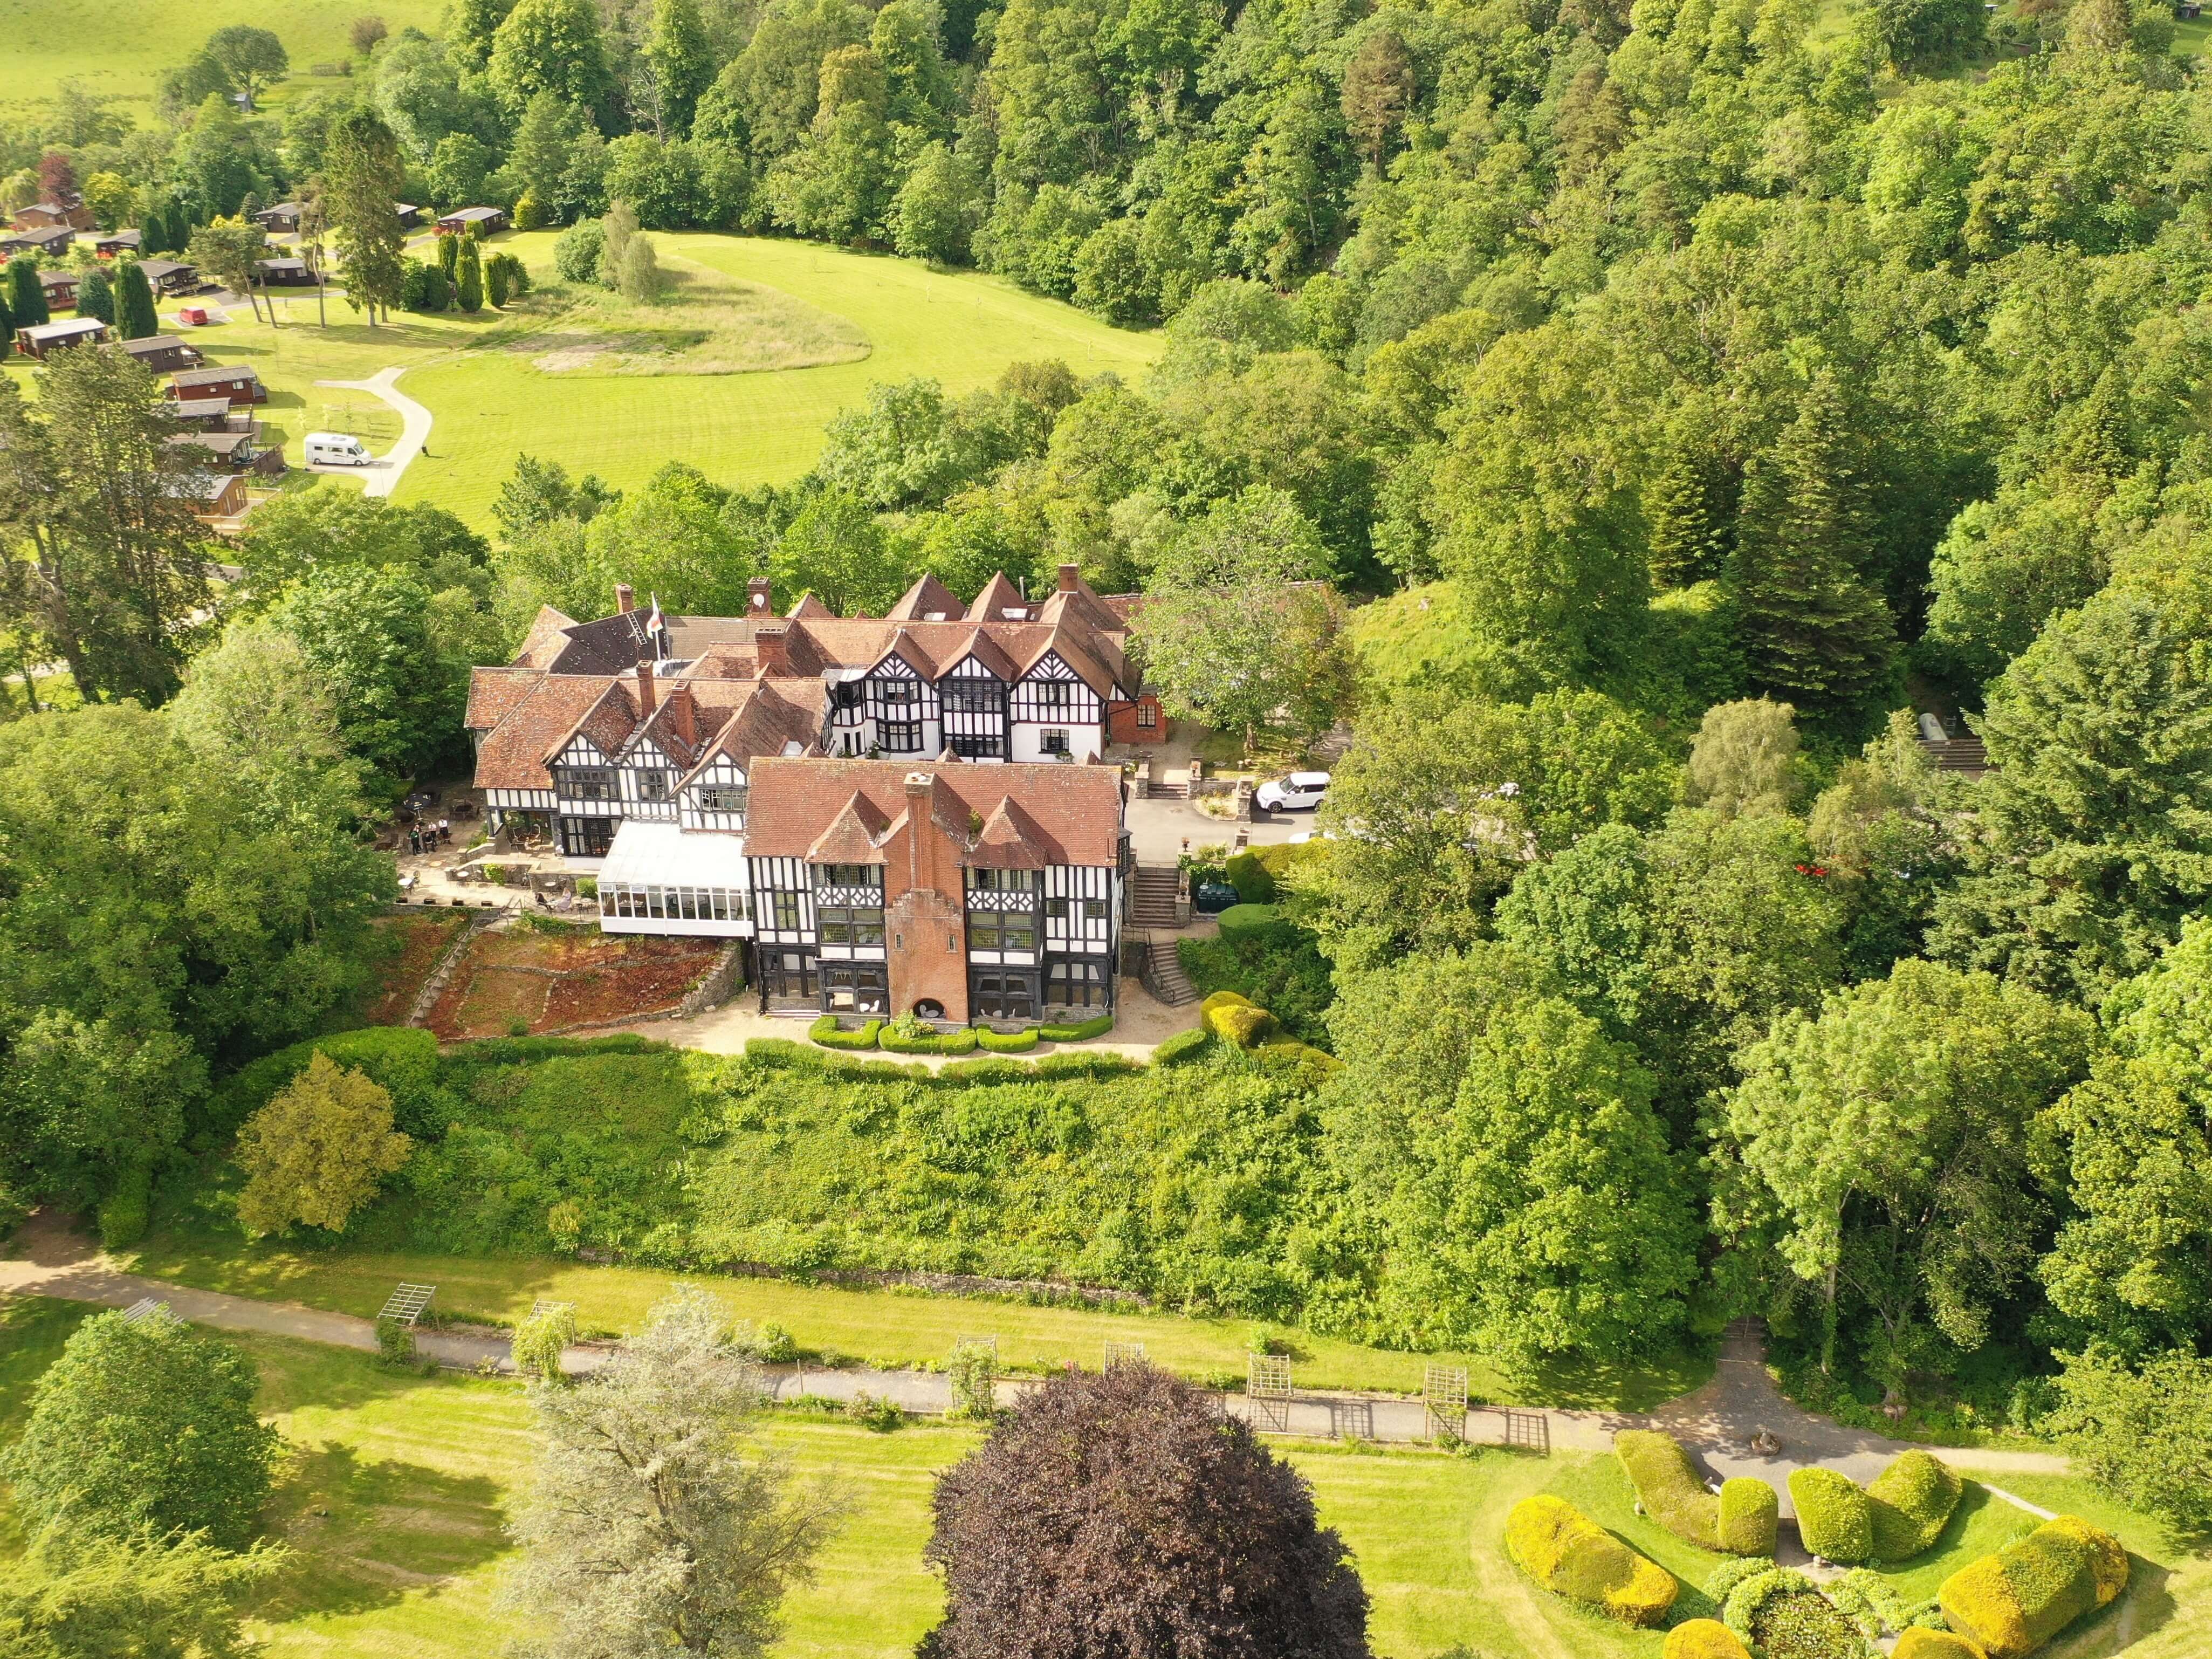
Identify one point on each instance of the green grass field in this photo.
(611, 388)
(123, 47)
(395, 1490)
(891, 1327)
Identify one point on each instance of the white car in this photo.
(1301, 791)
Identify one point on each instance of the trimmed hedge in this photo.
(1555, 1545)
(825, 1032)
(1667, 1485)
(1223, 999)
(1303, 1064)
(1834, 1518)
(1727, 1576)
(1241, 1022)
(2011, 1603)
(1919, 1642)
(1081, 1031)
(1183, 1047)
(1006, 1042)
(1240, 923)
(1750, 1514)
(1911, 1501)
(962, 1042)
(1782, 1614)
(1703, 1638)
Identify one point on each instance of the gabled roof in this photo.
(1010, 840)
(999, 596)
(495, 693)
(526, 732)
(855, 835)
(1056, 814)
(908, 650)
(213, 374)
(546, 638)
(608, 723)
(808, 606)
(927, 600)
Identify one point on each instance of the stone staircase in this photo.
(1176, 787)
(1163, 975)
(1153, 905)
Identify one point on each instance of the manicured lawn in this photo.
(123, 47)
(481, 376)
(890, 1326)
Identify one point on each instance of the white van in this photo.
(335, 449)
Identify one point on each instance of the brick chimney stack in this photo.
(683, 715)
(645, 688)
(625, 598)
(756, 597)
(769, 647)
(1069, 575)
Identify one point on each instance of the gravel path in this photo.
(48, 1258)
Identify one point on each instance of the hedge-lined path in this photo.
(49, 1257)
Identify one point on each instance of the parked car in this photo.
(1301, 791)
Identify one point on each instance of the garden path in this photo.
(383, 476)
(48, 1257)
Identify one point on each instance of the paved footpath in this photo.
(1717, 1422)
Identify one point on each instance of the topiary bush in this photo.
(1300, 1063)
(1240, 1023)
(1555, 1544)
(1080, 1030)
(1255, 922)
(1703, 1638)
(1917, 1643)
(1182, 1047)
(909, 1036)
(2010, 1603)
(1667, 1485)
(1750, 1514)
(1223, 1000)
(1911, 1501)
(1727, 1576)
(1834, 1518)
(826, 1032)
(1781, 1614)
(1006, 1042)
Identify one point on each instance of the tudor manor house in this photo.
(903, 814)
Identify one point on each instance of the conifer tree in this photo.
(1814, 632)
(26, 297)
(496, 280)
(362, 178)
(7, 325)
(1684, 547)
(449, 257)
(468, 281)
(134, 316)
(95, 296)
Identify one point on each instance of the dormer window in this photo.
(1015, 613)
(932, 616)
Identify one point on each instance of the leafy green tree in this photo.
(767, 97)
(1887, 834)
(2005, 567)
(938, 207)
(1814, 632)
(218, 160)
(251, 57)
(539, 492)
(1931, 34)
(541, 1339)
(112, 571)
(136, 318)
(2090, 852)
(836, 550)
(906, 447)
(469, 289)
(317, 1152)
(254, 710)
(326, 526)
(682, 61)
(95, 296)
(1888, 1139)
(2131, 1148)
(550, 45)
(1111, 277)
(473, 26)
(74, 1598)
(458, 168)
(367, 632)
(651, 1524)
(362, 177)
(838, 183)
(142, 1427)
(229, 249)
(1745, 758)
(2145, 1435)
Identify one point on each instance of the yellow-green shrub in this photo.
(1750, 1511)
(2012, 1602)
(1920, 1642)
(1666, 1483)
(1703, 1638)
(1223, 1000)
(1911, 1501)
(1833, 1516)
(1240, 1023)
(1555, 1544)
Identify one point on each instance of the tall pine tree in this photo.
(362, 177)
(1685, 543)
(1814, 633)
(135, 318)
(27, 295)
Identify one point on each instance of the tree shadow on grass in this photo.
(366, 1534)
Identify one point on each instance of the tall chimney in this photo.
(921, 832)
(645, 687)
(683, 715)
(769, 645)
(625, 598)
(756, 597)
(1069, 575)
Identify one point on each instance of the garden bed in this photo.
(533, 981)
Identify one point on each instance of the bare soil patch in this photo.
(416, 941)
(555, 981)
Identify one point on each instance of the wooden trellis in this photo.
(541, 1307)
(1443, 1401)
(1267, 1390)
(144, 1307)
(1124, 1353)
(408, 1304)
(990, 1342)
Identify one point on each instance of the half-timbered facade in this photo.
(634, 746)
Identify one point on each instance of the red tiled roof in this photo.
(855, 835)
(926, 596)
(531, 731)
(999, 596)
(1056, 814)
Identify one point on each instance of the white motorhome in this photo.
(335, 449)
